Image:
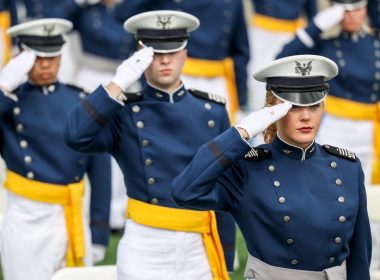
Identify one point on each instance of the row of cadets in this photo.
(44, 228)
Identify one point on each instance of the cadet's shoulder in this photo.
(78, 90)
(208, 96)
(258, 154)
(340, 152)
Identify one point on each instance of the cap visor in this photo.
(165, 47)
(302, 98)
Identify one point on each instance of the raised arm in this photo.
(215, 179)
(94, 124)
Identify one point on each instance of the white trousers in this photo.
(34, 239)
(146, 253)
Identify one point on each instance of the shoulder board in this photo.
(132, 96)
(258, 154)
(208, 96)
(77, 88)
(343, 153)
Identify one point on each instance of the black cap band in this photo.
(291, 84)
(50, 44)
(162, 34)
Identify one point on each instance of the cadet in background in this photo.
(44, 228)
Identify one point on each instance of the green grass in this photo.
(110, 257)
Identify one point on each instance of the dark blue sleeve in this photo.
(88, 126)
(240, 54)
(296, 46)
(99, 174)
(359, 260)
(213, 180)
(310, 8)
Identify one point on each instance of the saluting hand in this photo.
(256, 122)
(329, 17)
(16, 70)
(132, 68)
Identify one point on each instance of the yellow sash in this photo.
(277, 25)
(5, 23)
(203, 222)
(69, 196)
(359, 111)
(213, 69)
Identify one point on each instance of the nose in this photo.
(305, 114)
(44, 62)
(165, 58)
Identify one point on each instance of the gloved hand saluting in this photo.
(256, 122)
(329, 17)
(15, 72)
(132, 68)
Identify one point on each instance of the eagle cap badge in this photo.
(303, 69)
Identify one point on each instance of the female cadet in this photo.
(301, 206)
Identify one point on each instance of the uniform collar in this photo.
(161, 95)
(354, 36)
(46, 90)
(292, 151)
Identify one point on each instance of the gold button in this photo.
(211, 123)
(286, 219)
(148, 162)
(276, 183)
(145, 142)
(294, 262)
(16, 111)
(281, 199)
(338, 182)
(333, 164)
(342, 219)
(331, 260)
(338, 240)
(341, 199)
(271, 168)
(154, 201)
(30, 175)
(208, 106)
(136, 109)
(290, 241)
(140, 124)
(23, 144)
(151, 181)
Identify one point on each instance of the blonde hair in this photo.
(270, 132)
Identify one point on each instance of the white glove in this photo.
(132, 68)
(98, 253)
(15, 72)
(256, 122)
(329, 17)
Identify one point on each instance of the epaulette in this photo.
(343, 153)
(132, 96)
(82, 93)
(258, 154)
(77, 88)
(208, 96)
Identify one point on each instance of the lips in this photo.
(165, 71)
(305, 129)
